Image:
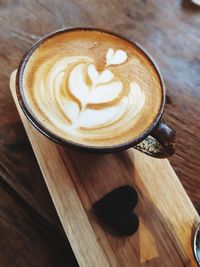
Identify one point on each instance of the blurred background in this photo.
(30, 231)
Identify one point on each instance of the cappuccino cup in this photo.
(93, 90)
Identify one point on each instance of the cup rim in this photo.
(67, 143)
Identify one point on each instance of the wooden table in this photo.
(30, 231)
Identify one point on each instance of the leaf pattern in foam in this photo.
(91, 118)
(105, 93)
(70, 109)
(77, 85)
(92, 73)
(96, 77)
(137, 98)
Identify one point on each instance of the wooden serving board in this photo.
(76, 180)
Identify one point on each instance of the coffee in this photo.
(92, 88)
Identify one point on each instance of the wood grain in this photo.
(169, 30)
(76, 180)
(24, 242)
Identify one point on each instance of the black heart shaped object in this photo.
(115, 209)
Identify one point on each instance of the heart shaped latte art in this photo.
(115, 57)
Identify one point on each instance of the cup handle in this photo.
(161, 143)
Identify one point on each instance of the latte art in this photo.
(90, 90)
(73, 95)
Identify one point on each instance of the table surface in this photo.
(31, 233)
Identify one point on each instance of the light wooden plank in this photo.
(76, 180)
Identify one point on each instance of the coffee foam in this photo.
(92, 88)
